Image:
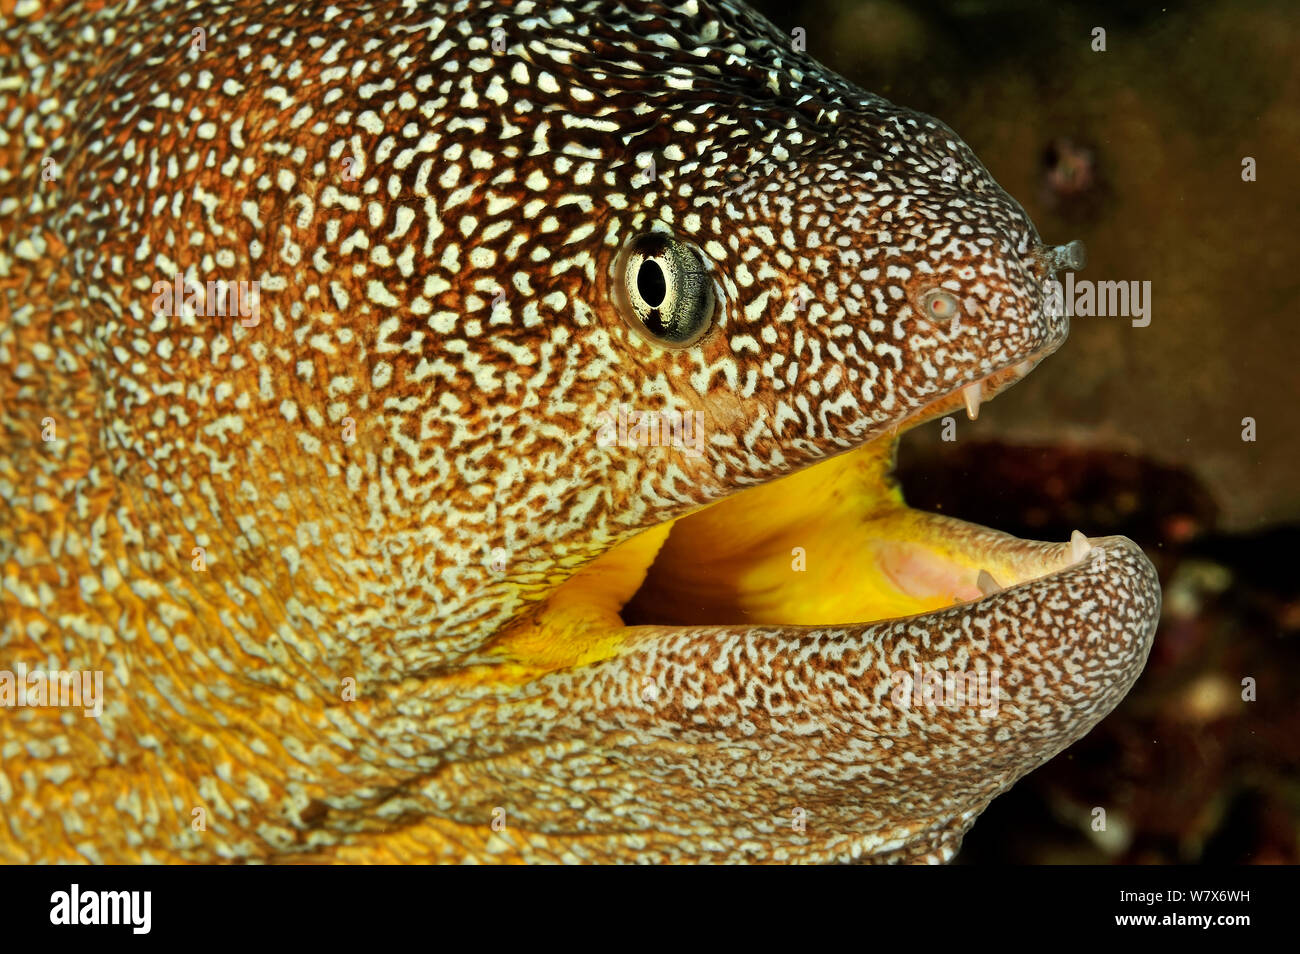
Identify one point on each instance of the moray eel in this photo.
(535, 504)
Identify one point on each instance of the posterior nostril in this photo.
(939, 305)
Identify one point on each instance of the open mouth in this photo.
(814, 638)
(831, 545)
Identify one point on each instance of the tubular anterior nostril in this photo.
(1067, 258)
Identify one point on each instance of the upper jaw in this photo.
(972, 395)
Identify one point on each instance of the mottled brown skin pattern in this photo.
(452, 298)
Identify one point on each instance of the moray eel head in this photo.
(546, 512)
(766, 654)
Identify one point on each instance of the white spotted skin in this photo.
(434, 225)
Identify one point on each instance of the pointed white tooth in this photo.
(988, 586)
(973, 393)
(1079, 546)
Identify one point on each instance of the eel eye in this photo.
(663, 290)
(939, 305)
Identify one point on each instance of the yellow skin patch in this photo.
(579, 623)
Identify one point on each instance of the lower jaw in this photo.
(834, 687)
(814, 642)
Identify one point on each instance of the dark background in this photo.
(1137, 151)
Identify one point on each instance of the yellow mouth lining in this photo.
(833, 544)
(830, 545)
